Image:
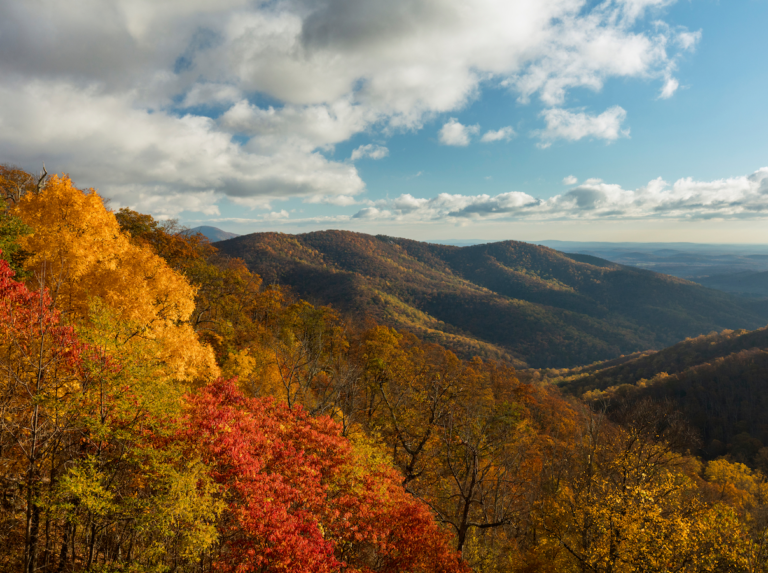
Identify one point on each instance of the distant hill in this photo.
(719, 381)
(214, 234)
(693, 261)
(746, 283)
(508, 299)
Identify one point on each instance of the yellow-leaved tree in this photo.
(623, 501)
(79, 252)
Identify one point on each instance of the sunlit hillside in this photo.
(507, 299)
(164, 409)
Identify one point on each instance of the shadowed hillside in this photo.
(719, 381)
(746, 283)
(506, 299)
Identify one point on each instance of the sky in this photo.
(578, 120)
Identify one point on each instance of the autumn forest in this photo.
(172, 405)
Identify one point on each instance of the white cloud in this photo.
(402, 57)
(503, 134)
(211, 94)
(573, 126)
(308, 127)
(570, 180)
(372, 213)
(152, 161)
(687, 40)
(454, 133)
(370, 150)
(276, 215)
(669, 89)
(739, 198)
(744, 197)
(327, 70)
(338, 200)
(635, 8)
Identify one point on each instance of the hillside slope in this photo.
(507, 299)
(719, 381)
(746, 283)
(213, 234)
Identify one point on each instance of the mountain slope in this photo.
(747, 283)
(214, 234)
(719, 381)
(506, 299)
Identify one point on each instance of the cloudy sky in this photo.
(615, 120)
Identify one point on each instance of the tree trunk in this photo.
(91, 546)
(64, 547)
(33, 530)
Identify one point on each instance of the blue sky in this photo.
(623, 120)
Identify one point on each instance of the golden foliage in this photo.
(79, 251)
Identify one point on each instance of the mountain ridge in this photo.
(213, 234)
(511, 300)
(718, 381)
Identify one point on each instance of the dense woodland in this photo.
(162, 409)
(524, 303)
(718, 381)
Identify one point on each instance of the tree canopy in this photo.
(161, 409)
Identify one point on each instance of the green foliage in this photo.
(11, 230)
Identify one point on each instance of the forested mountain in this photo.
(509, 299)
(744, 283)
(719, 382)
(163, 411)
(213, 234)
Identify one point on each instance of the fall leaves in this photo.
(80, 252)
(300, 498)
(120, 451)
(326, 446)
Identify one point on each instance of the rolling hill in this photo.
(718, 381)
(744, 283)
(528, 303)
(214, 234)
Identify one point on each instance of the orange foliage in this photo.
(78, 249)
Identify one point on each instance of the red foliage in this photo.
(298, 499)
(26, 316)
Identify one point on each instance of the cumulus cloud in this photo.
(669, 89)
(733, 198)
(310, 127)
(213, 98)
(570, 180)
(454, 133)
(337, 200)
(203, 94)
(573, 126)
(370, 150)
(276, 215)
(503, 134)
(152, 161)
(372, 213)
(687, 40)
